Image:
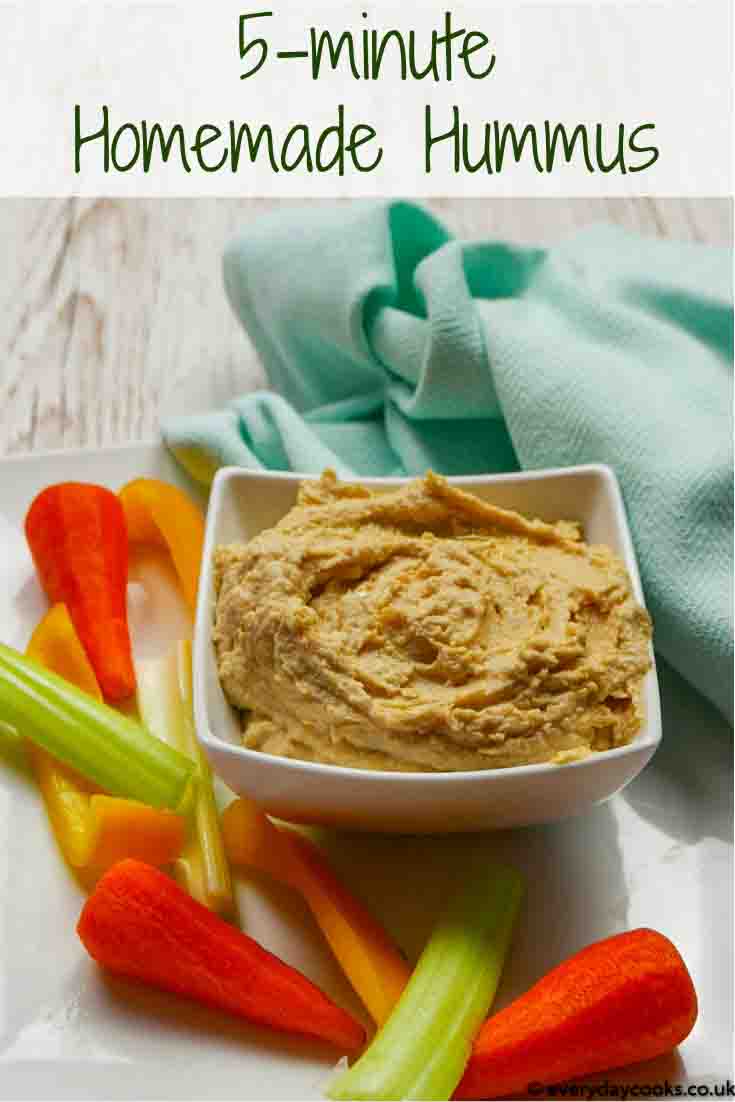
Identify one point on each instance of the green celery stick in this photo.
(106, 747)
(421, 1051)
(165, 704)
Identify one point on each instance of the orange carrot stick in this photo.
(619, 1001)
(138, 923)
(78, 540)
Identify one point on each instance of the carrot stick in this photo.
(78, 540)
(619, 1001)
(140, 924)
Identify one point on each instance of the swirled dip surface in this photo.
(421, 628)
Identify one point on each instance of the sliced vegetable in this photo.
(93, 830)
(127, 828)
(161, 515)
(165, 704)
(140, 924)
(66, 796)
(422, 1049)
(622, 1000)
(56, 645)
(78, 540)
(105, 747)
(369, 959)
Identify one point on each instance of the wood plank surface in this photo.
(107, 305)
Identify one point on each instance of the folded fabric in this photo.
(394, 348)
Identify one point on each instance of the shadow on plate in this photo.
(575, 887)
(687, 791)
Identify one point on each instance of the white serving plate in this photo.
(657, 854)
(245, 502)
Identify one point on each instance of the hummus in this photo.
(423, 629)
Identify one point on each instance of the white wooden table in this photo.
(106, 304)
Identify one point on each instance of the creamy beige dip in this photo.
(421, 628)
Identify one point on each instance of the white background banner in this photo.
(578, 99)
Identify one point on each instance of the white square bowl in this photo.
(243, 503)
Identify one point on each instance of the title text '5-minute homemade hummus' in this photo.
(421, 628)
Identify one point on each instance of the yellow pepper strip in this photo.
(93, 830)
(159, 514)
(370, 960)
(56, 645)
(67, 797)
(127, 828)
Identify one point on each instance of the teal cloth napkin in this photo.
(394, 347)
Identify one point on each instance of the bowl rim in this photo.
(646, 740)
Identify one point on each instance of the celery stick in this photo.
(209, 855)
(165, 702)
(421, 1051)
(104, 746)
